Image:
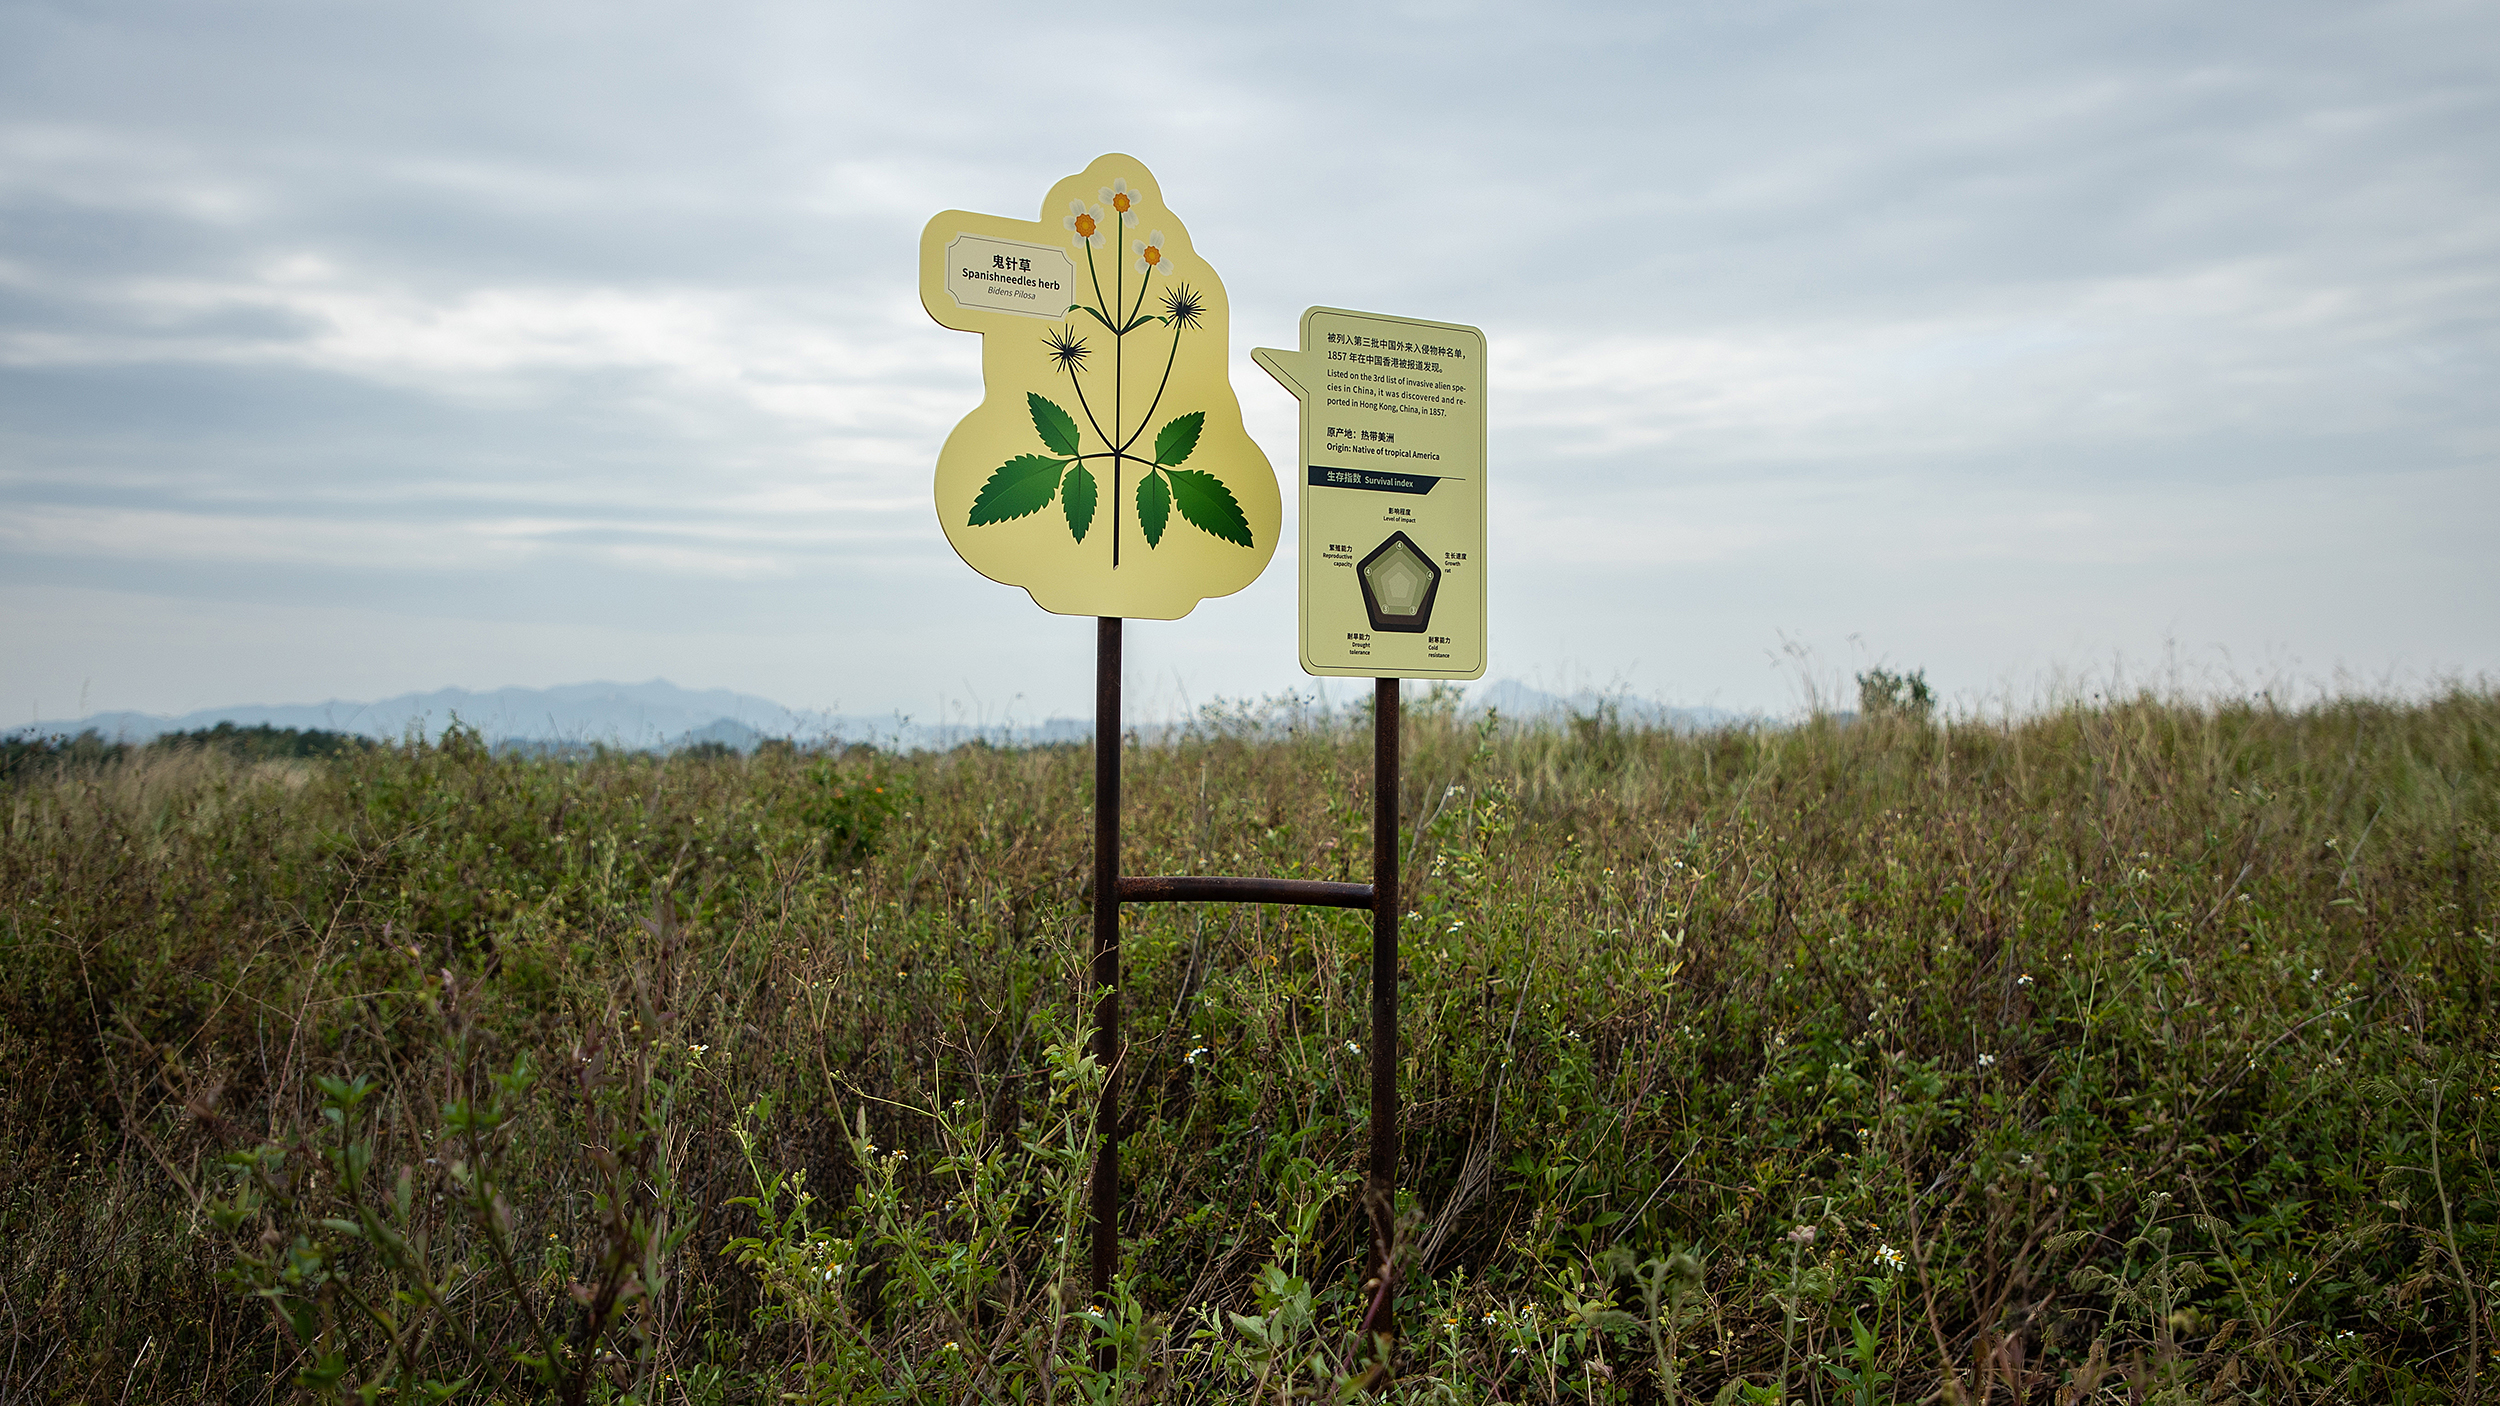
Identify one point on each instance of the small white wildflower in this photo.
(2023, 980)
(1353, 1048)
(1987, 1061)
(1888, 1257)
(1192, 1056)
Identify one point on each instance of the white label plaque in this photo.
(1002, 275)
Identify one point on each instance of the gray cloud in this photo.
(1986, 339)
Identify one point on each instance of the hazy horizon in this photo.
(1160, 703)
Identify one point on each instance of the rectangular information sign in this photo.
(1392, 484)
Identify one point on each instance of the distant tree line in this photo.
(23, 754)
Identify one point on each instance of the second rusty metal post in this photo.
(1106, 973)
(1381, 1194)
(1380, 1185)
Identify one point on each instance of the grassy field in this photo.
(2138, 1052)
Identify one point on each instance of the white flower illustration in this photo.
(1086, 224)
(1146, 255)
(1121, 197)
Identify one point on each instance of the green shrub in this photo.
(1882, 692)
(26, 755)
(266, 743)
(851, 812)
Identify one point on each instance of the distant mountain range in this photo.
(657, 715)
(660, 716)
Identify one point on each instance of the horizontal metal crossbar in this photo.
(1220, 888)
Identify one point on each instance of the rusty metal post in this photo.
(1381, 1194)
(1106, 970)
(1111, 889)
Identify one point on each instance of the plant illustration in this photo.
(1028, 483)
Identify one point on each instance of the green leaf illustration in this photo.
(1205, 501)
(1175, 440)
(1154, 507)
(1058, 431)
(1077, 496)
(1019, 488)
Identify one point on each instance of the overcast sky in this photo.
(353, 350)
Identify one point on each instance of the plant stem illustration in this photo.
(1027, 483)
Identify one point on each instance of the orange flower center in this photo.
(1120, 203)
(1085, 226)
(1153, 256)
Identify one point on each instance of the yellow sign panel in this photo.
(1393, 505)
(1106, 471)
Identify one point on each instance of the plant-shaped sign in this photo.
(1104, 357)
(1027, 482)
